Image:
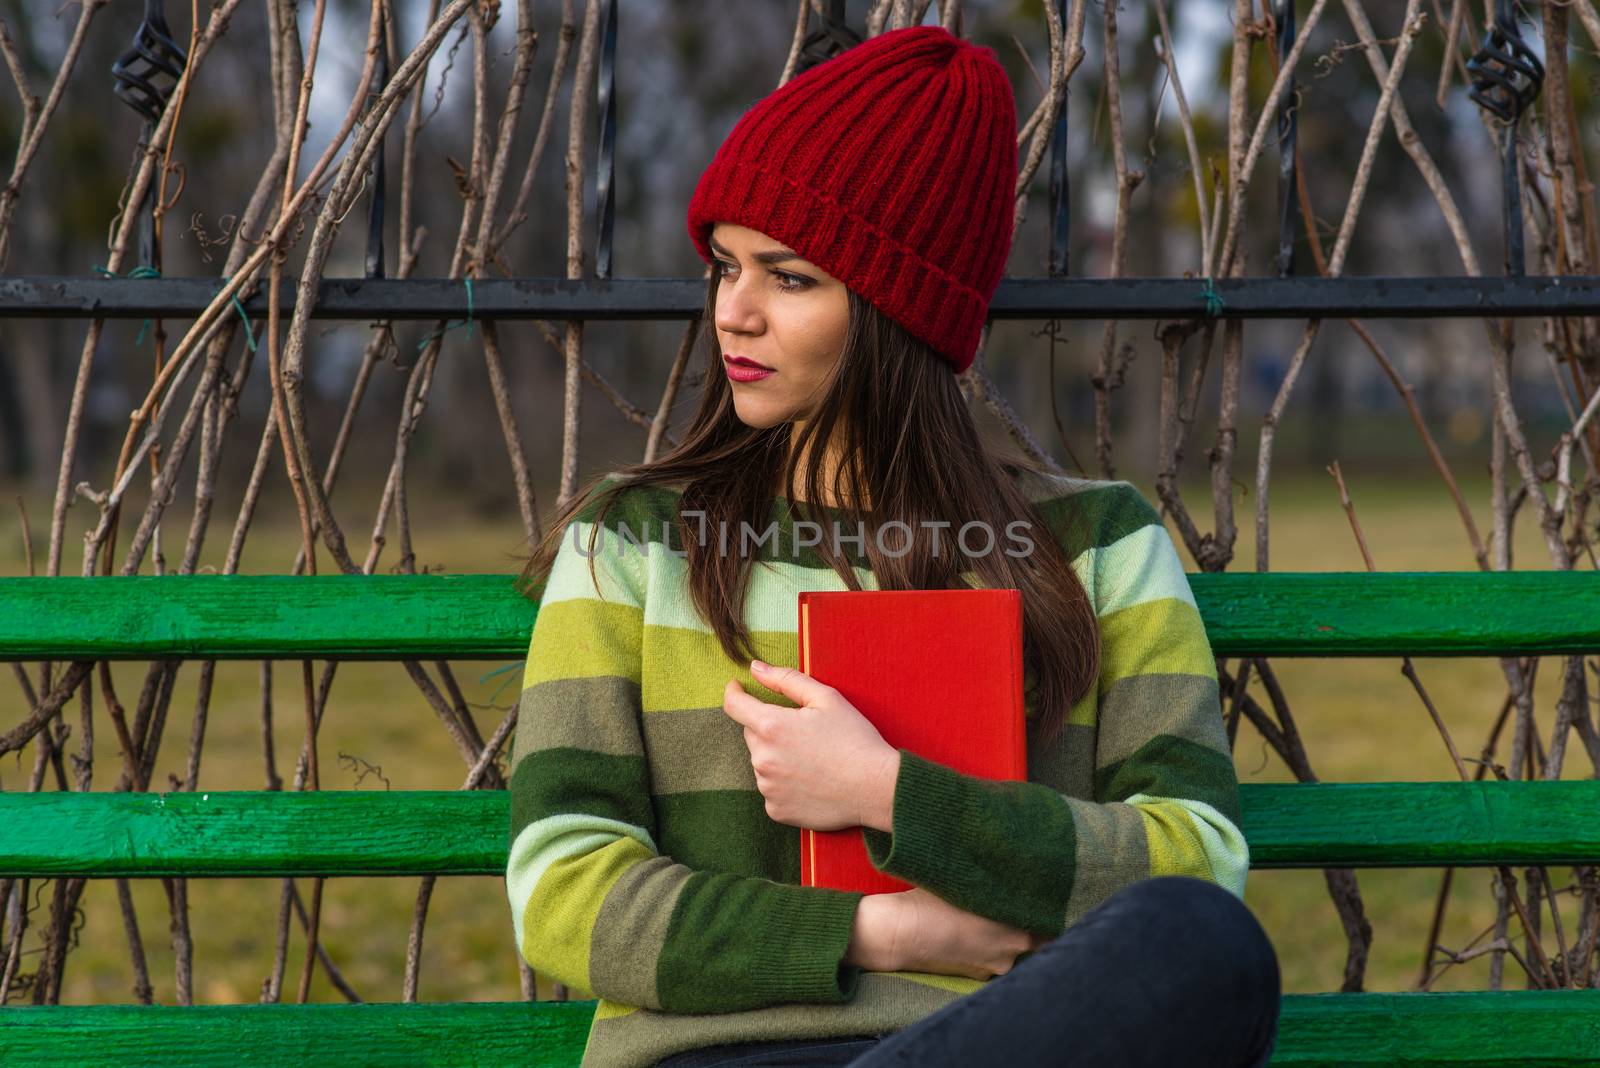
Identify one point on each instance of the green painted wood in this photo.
(244, 617)
(1461, 1030)
(391, 617)
(1421, 824)
(1475, 1030)
(1394, 613)
(345, 833)
(326, 832)
(446, 832)
(547, 1034)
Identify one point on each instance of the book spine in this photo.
(808, 840)
(1019, 722)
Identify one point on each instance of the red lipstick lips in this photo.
(741, 369)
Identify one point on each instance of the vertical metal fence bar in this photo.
(1288, 123)
(149, 255)
(375, 207)
(1060, 199)
(143, 78)
(1506, 78)
(605, 206)
(1511, 209)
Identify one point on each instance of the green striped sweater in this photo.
(645, 871)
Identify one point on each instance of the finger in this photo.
(743, 708)
(791, 682)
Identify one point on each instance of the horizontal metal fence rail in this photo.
(90, 296)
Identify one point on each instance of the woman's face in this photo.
(780, 311)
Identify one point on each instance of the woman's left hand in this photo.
(821, 766)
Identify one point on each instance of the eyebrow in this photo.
(771, 256)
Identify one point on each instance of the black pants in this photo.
(1167, 971)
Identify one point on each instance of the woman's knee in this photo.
(1177, 922)
(1180, 950)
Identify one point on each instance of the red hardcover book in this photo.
(938, 672)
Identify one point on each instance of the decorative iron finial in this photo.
(1506, 74)
(147, 73)
(828, 40)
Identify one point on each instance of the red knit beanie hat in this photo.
(893, 167)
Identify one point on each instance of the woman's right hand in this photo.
(928, 934)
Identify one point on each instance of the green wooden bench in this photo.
(350, 833)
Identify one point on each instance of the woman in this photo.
(667, 752)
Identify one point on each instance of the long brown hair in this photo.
(906, 444)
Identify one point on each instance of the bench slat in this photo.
(1421, 824)
(1470, 1029)
(244, 617)
(545, 1033)
(1477, 1030)
(482, 617)
(255, 833)
(395, 832)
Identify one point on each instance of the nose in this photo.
(738, 310)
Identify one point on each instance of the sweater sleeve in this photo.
(1165, 794)
(594, 904)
